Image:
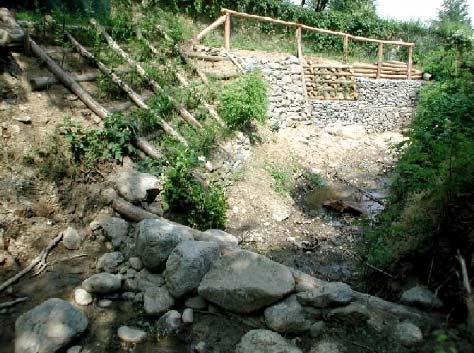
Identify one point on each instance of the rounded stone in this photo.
(131, 334)
(82, 297)
(188, 316)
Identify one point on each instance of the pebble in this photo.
(131, 334)
(72, 239)
(82, 297)
(104, 303)
(188, 316)
(25, 119)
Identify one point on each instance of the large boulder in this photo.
(157, 301)
(115, 229)
(329, 294)
(187, 264)
(48, 327)
(265, 341)
(243, 281)
(224, 239)
(407, 333)
(102, 283)
(156, 239)
(287, 316)
(137, 187)
(422, 297)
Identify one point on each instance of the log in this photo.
(209, 28)
(227, 32)
(410, 62)
(120, 107)
(185, 114)
(191, 65)
(128, 210)
(234, 61)
(148, 148)
(210, 58)
(42, 82)
(132, 94)
(379, 60)
(345, 49)
(299, 48)
(68, 81)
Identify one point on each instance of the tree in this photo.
(317, 5)
(454, 12)
(353, 6)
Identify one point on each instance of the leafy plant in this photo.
(244, 100)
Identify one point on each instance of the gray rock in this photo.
(146, 280)
(422, 297)
(169, 323)
(196, 303)
(109, 262)
(135, 263)
(243, 282)
(187, 265)
(115, 229)
(326, 346)
(317, 329)
(72, 239)
(188, 316)
(157, 300)
(305, 282)
(265, 341)
(48, 327)
(82, 297)
(156, 239)
(330, 294)
(354, 313)
(102, 283)
(287, 316)
(408, 333)
(74, 349)
(137, 187)
(224, 239)
(131, 334)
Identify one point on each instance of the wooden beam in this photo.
(345, 49)
(227, 32)
(410, 62)
(299, 48)
(379, 60)
(209, 28)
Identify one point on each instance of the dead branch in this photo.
(43, 267)
(13, 302)
(39, 260)
(469, 297)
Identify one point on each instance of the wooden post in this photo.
(345, 53)
(227, 32)
(299, 48)
(410, 61)
(379, 60)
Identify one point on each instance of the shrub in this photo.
(244, 100)
(203, 206)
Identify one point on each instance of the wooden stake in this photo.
(299, 49)
(210, 28)
(345, 50)
(379, 60)
(410, 62)
(227, 32)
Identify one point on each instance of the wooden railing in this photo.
(226, 20)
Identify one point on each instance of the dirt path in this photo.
(289, 224)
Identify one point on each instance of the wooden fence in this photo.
(225, 19)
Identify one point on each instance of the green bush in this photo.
(204, 207)
(244, 100)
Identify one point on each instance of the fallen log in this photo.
(185, 114)
(210, 58)
(131, 93)
(13, 302)
(191, 65)
(125, 208)
(42, 82)
(120, 107)
(234, 61)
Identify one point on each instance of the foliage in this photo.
(244, 100)
(454, 11)
(112, 142)
(366, 7)
(203, 207)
